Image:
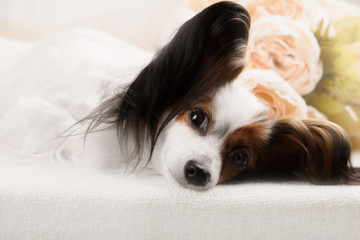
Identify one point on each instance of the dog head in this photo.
(170, 99)
(216, 138)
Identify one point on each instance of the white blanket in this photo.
(41, 201)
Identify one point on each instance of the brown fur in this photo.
(205, 103)
(318, 151)
(251, 138)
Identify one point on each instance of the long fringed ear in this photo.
(318, 151)
(207, 52)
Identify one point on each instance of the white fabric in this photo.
(40, 201)
(136, 21)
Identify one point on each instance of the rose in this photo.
(292, 9)
(287, 47)
(274, 91)
(307, 11)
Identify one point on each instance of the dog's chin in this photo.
(173, 172)
(199, 189)
(177, 178)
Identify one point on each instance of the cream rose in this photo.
(289, 48)
(308, 12)
(274, 91)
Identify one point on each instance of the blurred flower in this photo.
(338, 93)
(270, 88)
(308, 12)
(289, 48)
(292, 9)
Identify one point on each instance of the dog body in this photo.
(60, 81)
(74, 81)
(86, 102)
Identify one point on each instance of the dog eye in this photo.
(239, 158)
(199, 120)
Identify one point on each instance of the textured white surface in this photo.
(40, 201)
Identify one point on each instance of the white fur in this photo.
(234, 107)
(63, 79)
(60, 81)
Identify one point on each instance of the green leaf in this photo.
(339, 87)
(336, 59)
(348, 30)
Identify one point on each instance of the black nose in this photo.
(195, 175)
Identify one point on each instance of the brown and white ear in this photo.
(207, 51)
(221, 32)
(316, 150)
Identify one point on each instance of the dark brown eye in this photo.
(239, 158)
(199, 120)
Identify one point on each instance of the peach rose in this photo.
(289, 48)
(274, 91)
(292, 9)
(307, 11)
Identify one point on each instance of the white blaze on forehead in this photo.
(235, 107)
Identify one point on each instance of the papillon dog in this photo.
(182, 116)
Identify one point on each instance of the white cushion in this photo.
(43, 201)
